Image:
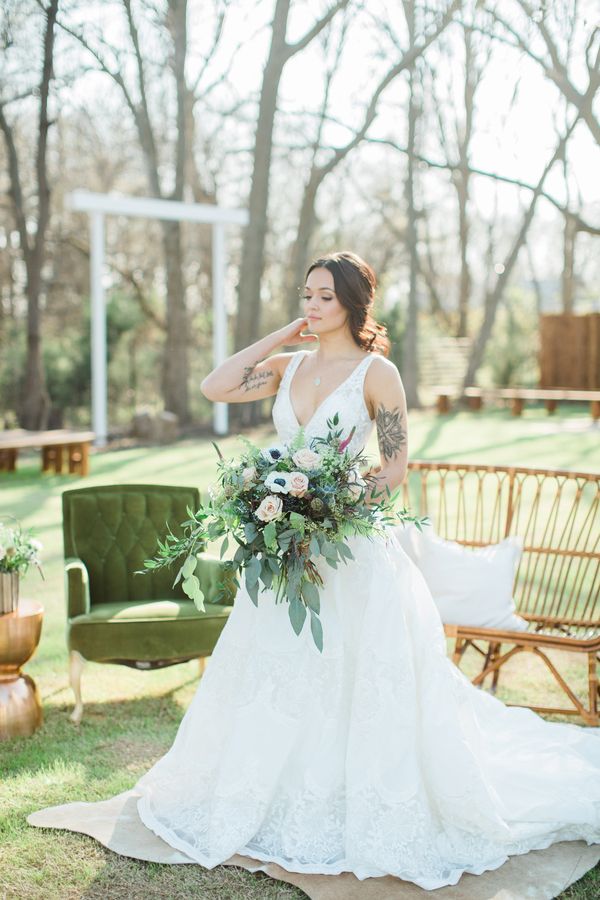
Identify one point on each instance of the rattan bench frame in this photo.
(564, 545)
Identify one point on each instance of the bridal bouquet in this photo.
(285, 507)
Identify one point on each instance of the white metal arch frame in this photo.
(100, 205)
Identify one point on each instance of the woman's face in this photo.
(322, 308)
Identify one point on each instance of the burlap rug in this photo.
(539, 875)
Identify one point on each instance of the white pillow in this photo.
(470, 586)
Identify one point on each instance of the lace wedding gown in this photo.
(376, 756)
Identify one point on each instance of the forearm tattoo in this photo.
(253, 381)
(391, 432)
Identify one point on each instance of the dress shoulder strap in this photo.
(360, 373)
(291, 367)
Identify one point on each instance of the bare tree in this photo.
(410, 354)
(319, 171)
(553, 62)
(252, 265)
(494, 296)
(175, 370)
(34, 404)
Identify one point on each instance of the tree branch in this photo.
(292, 49)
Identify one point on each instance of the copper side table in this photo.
(20, 704)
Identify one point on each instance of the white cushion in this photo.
(470, 586)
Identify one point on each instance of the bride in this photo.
(376, 756)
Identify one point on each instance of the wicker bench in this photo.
(557, 585)
(59, 448)
(517, 397)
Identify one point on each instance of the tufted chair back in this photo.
(114, 528)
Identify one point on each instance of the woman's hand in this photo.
(292, 333)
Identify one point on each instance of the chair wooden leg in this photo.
(594, 687)
(201, 665)
(496, 648)
(76, 664)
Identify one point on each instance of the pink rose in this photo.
(270, 509)
(298, 484)
(305, 458)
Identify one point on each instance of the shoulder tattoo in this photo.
(253, 381)
(391, 431)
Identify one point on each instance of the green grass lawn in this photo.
(131, 717)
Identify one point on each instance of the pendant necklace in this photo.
(317, 380)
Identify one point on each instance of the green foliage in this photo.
(511, 356)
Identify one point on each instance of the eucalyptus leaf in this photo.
(240, 554)
(314, 547)
(189, 566)
(250, 531)
(316, 630)
(253, 592)
(252, 571)
(329, 550)
(266, 576)
(270, 535)
(310, 592)
(298, 521)
(191, 586)
(297, 613)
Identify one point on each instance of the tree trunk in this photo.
(300, 249)
(249, 306)
(568, 273)
(34, 406)
(175, 359)
(410, 355)
(462, 187)
(175, 369)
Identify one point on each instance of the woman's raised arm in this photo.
(249, 374)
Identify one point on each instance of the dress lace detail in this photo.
(347, 400)
(377, 756)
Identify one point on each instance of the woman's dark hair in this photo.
(355, 284)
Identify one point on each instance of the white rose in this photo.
(305, 458)
(298, 484)
(2, 552)
(270, 509)
(249, 474)
(278, 482)
(37, 545)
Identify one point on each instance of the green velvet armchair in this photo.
(116, 616)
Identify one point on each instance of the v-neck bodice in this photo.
(347, 399)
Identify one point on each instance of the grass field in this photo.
(131, 717)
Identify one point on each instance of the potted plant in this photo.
(18, 550)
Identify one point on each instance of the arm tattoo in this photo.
(391, 434)
(253, 381)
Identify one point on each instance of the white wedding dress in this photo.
(376, 756)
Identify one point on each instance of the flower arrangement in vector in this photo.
(287, 508)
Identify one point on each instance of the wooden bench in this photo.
(60, 448)
(557, 584)
(517, 396)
